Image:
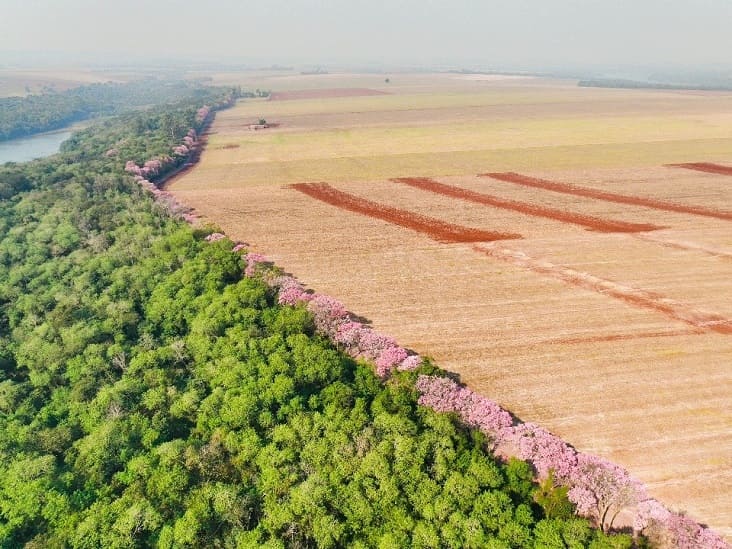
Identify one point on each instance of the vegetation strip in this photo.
(566, 188)
(590, 222)
(649, 300)
(434, 228)
(708, 167)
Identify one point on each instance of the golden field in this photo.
(616, 342)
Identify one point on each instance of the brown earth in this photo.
(555, 186)
(324, 93)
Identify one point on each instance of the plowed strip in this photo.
(566, 188)
(708, 167)
(590, 222)
(434, 228)
(635, 296)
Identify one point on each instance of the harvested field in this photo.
(617, 341)
(705, 167)
(610, 197)
(589, 222)
(434, 228)
(323, 94)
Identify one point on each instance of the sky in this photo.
(518, 34)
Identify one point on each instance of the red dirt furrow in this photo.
(588, 192)
(434, 228)
(590, 222)
(641, 298)
(708, 167)
(622, 337)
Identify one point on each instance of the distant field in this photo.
(24, 82)
(620, 342)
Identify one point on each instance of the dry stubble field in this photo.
(620, 341)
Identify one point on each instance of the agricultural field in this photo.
(529, 235)
(16, 82)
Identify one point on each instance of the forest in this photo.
(22, 116)
(152, 395)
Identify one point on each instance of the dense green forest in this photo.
(152, 395)
(21, 116)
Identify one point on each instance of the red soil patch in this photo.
(708, 167)
(326, 93)
(590, 222)
(635, 296)
(434, 228)
(566, 188)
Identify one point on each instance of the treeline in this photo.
(21, 116)
(152, 395)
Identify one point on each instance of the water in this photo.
(35, 146)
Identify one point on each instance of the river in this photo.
(23, 149)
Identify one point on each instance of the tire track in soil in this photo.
(684, 245)
(434, 228)
(590, 222)
(708, 167)
(641, 298)
(566, 188)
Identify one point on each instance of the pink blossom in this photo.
(253, 259)
(180, 150)
(601, 489)
(545, 451)
(239, 247)
(388, 359)
(348, 336)
(444, 395)
(152, 167)
(410, 363)
(328, 313)
(202, 113)
(371, 344)
(131, 167)
(215, 237)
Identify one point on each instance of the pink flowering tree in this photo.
(601, 489)
(215, 237)
(666, 529)
(202, 113)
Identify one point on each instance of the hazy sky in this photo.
(507, 33)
